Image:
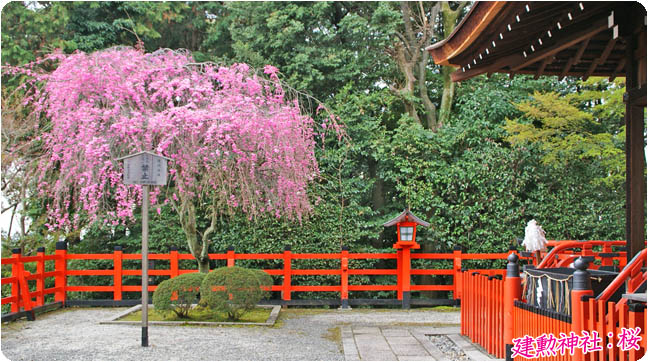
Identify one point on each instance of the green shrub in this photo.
(178, 294)
(265, 281)
(233, 290)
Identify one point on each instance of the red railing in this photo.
(482, 311)
(531, 321)
(494, 315)
(633, 275)
(20, 279)
(64, 263)
(562, 253)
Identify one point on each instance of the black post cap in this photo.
(345, 248)
(230, 248)
(61, 245)
(581, 275)
(528, 267)
(118, 248)
(512, 267)
(287, 248)
(173, 248)
(40, 249)
(16, 251)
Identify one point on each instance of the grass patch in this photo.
(445, 308)
(199, 314)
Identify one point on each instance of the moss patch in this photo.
(335, 335)
(444, 308)
(198, 314)
(290, 312)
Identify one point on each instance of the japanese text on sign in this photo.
(145, 169)
(548, 345)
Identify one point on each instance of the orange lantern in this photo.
(406, 224)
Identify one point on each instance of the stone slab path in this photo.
(389, 343)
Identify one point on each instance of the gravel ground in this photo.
(314, 334)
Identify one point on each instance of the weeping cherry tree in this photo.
(238, 140)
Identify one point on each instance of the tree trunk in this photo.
(430, 107)
(189, 225)
(203, 266)
(449, 19)
(418, 31)
(447, 96)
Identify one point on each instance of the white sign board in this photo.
(145, 168)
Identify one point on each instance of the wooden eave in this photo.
(540, 38)
(141, 153)
(406, 214)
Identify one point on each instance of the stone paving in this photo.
(389, 343)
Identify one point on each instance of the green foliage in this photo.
(318, 46)
(232, 290)
(582, 125)
(265, 281)
(461, 180)
(178, 294)
(31, 30)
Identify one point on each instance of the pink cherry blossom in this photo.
(235, 138)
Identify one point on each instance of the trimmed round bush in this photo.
(265, 281)
(178, 294)
(234, 290)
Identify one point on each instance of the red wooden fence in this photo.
(482, 311)
(20, 278)
(527, 321)
(485, 320)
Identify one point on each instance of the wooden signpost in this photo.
(145, 168)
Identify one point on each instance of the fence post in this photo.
(406, 274)
(174, 261)
(117, 273)
(61, 269)
(285, 294)
(22, 290)
(40, 281)
(230, 256)
(457, 279)
(344, 278)
(15, 289)
(636, 318)
(399, 273)
(512, 291)
(581, 287)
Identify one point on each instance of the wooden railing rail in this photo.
(28, 290)
(63, 270)
(561, 256)
(632, 271)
